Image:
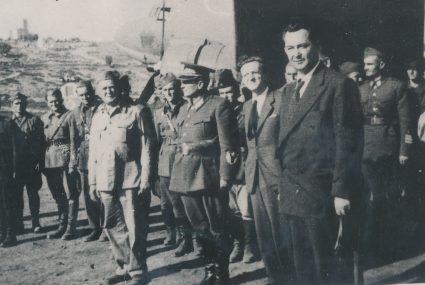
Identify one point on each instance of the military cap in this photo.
(415, 64)
(168, 78)
(349, 66)
(193, 72)
(370, 51)
(18, 96)
(225, 78)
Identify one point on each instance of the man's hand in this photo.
(186, 148)
(342, 206)
(144, 187)
(94, 196)
(403, 160)
(224, 184)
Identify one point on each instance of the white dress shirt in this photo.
(306, 78)
(260, 99)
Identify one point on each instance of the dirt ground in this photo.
(36, 260)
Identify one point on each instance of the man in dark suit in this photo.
(387, 146)
(261, 167)
(319, 151)
(208, 143)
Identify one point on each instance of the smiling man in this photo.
(122, 141)
(319, 152)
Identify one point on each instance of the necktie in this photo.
(298, 87)
(253, 120)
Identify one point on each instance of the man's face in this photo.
(412, 73)
(84, 95)
(252, 75)
(108, 91)
(356, 76)
(191, 88)
(169, 92)
(55, 103)
(227, 93)
(19, 106)
(372, 66)
(290, 74)
(302, 53)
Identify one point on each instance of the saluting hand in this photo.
(93, 193)
(342, 206)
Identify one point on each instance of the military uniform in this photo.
(208, 127)
(57, 156)
(171, 204)
(120, 160)
(28, 150)
(81, 118)
(7, 215)
(387, 135)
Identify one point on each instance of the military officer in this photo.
(122, 140)
(28, 150)
(81, 118)
(243, 228)
(387, 144)
(203, 167)
(171, 204)
(7, 213)
(57, 156)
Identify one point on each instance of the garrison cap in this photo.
(349, 66)
(415, 64)
(370, 51)
(193, 72)
(225, 78)
(18, 96)
(168, 78)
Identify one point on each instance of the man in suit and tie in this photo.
(320, 133)
(261, 167)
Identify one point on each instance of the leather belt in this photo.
(57, 142)
(376, 121)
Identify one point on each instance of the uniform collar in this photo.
(24, 115)
(196, 103)
(58, 115)
(376, 82)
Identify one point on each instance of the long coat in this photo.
(262, 148)
(6, 153)
(319, 144)
(211, 129)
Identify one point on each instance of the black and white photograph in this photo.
(212, 142)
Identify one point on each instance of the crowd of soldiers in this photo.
(246, 172)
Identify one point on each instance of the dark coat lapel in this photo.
(311, 94)
(247, 108)
(267, 110)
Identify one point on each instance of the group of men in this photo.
(286, 174)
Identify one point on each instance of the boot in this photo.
(94, 235)
(63, 221)
(185, 242)
(200, 250)
(10, 238)
(251, 253)
(169, 221)
(35, 217)
(71, 231)
(238, 241)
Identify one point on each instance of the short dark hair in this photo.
(244, 59)
(55, 93)
(297, 23)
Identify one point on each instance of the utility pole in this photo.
(161, 17)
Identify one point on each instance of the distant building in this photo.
(24, 34)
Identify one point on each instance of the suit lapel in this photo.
(266, 111)
(247, 109)
(313, 92)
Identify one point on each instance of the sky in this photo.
(88, 19)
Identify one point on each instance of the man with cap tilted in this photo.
(57, 157)
(81, 118)
(28, 150)
(243, 228)
(121, 145)
(7, 213)
(172, 207)
(352, 70)
(204, 165)
(387, 144)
